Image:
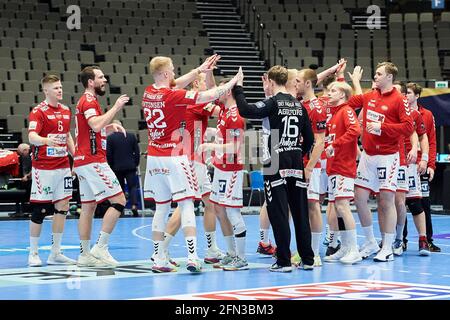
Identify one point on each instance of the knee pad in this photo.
(187, 213)
(118, 207)
(236, 220)
(64, 213)
(159, 218)
(40, 211)
(415, 206)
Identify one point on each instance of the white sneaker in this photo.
(103, 254)
(59, 258)
(368, 249)
(397, 247)
(384, 255)
(317, 261)
(213, 256)
(88, 260)
(337, 256)
(351, 257)
(34, 260)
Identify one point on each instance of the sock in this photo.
(56, 242)
(382, 237)
(85, 246)
(423, 238)
(368, 232)
(352, 239)
(165, 244)
(191, 244)
(211, 241)
(231, 245)
(334, 237)
(264, 235)
(240, 247)
(103, 239)
(344, 239)
(399, 230)
(158, 252)
(34, 244)
(315, 242)
(388, 241)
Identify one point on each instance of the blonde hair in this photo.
(343, 87)
(390, 68)
(279, 74)
(292, 74)
(159, 63)
(309, 75)
(51, 78)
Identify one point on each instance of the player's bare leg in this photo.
(264, 245)
(315, 219)
(333, 245)
(370, 245)
(386, 204)
(400, 205)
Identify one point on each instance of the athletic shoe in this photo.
(306, 266)
(164, 267)
(266, 249)
(102, 253)
(193, 265)
(368, 249)
(34, 260)
(337, 256)
(171, 261)
(433, 248)
(405, 246)
(397, 247)
(295, 259)
(424, 248)
(213, 256)
(88, 260)
(327, 239)
(276, 268)
(224, 262)
(331, 250)
(352, 256)
(236, 265)
(59, 258)
(384, 255)
(317, 261)
(135, 212)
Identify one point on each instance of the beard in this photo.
(99, 91)
(173, 83)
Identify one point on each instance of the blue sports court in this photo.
(408, 277)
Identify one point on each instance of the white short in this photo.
(314, 185)
(169, 179)
(51, 185)
(227, 188)
(204, 183)
(323, 188)
(402, 184)
(97, 182)
(415, 187)
(425, 187)
(378, 172)
(341, 187)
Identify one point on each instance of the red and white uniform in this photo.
(97, 181)
(196, 123)
(379, 163)
(169, 175)
(51, 176)
(323, 188)
(414, 185)
(430, 126)
(228, 173)
(318, 117)
(343, 132)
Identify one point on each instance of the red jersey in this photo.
(164, 111)
(419, 127)
(230, 129)
(329, 110)
(197, 116)
(391, 109)
(90, 146)
(48, 121)
(430, 127)
(317, 115)
(343, 135)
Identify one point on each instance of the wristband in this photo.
(424, 157)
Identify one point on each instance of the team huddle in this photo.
(309, 149)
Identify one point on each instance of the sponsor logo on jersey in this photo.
(51, 116)
(33, 125)
(90, 113)
(381, 172)
(190, 94)
(56, 152)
